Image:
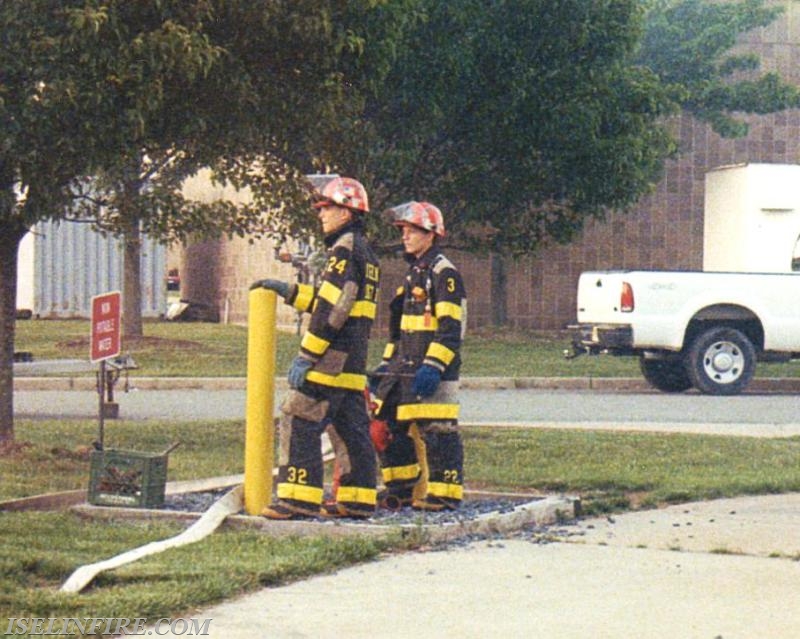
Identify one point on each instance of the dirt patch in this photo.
(81, 453)
(11, 448)
(138, 342)
(638, 498)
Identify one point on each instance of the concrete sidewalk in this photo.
(719, 569)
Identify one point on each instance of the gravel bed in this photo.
(469, 510)
(198, 502)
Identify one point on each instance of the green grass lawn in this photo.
(606, 468)
(204, 349)
(220, 350)
(611, 471)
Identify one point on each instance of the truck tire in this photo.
(666, 375)
(721, 361)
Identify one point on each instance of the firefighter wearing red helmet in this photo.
(417, 383)
(328, 376)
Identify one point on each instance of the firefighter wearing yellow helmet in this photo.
(416, 385)
(328, 376)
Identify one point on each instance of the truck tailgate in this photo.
(599, 296)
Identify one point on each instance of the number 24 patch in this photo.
(336, 265)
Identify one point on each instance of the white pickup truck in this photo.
(690, 329)
(706, 329)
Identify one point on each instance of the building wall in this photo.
(219, 274)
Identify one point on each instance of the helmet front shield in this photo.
(420, 214)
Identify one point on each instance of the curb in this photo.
(540, 511)
(633, 384)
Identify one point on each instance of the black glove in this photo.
(281, 288)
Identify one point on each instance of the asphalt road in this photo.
(758, 415)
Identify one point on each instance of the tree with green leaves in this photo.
(40, 155)
(690, 46)
(106, 106)
(523, 119)
(518, 118)
(232, 87)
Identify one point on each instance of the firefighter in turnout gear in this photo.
(416, 384)
(328, 376)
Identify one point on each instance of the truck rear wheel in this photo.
(721, 361)
(667, 375)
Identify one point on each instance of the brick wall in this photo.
(219, 273)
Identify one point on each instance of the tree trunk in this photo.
(499, 293)
(132, 283)
(10, 237)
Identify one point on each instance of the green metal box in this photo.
(127, 478)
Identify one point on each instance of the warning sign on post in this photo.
(106, 310)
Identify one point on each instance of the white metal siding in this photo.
(72, 263)
(25, 274)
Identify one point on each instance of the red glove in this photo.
(380, 434)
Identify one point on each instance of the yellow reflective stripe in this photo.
(364, 308)
(350, 381)
(440, 352)
(409, 412)
(305, 293)
(418, 323)
(310, 494)
(448, 309)
(388, 351)
(400, 473)
(356, 495)
(314, 344)
(329, 292)
(448, 491)
(400, 291)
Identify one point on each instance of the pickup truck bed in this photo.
(690, 329)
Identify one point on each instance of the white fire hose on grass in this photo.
(229, 504)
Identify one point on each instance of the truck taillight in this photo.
(626, 298)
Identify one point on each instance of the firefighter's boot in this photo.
(348, 511)
(284, 509)
(401, 469)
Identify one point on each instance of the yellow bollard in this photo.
(259, 447)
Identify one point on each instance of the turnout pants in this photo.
(444, 456)
(300, 475)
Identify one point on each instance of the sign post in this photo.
(105, 343)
